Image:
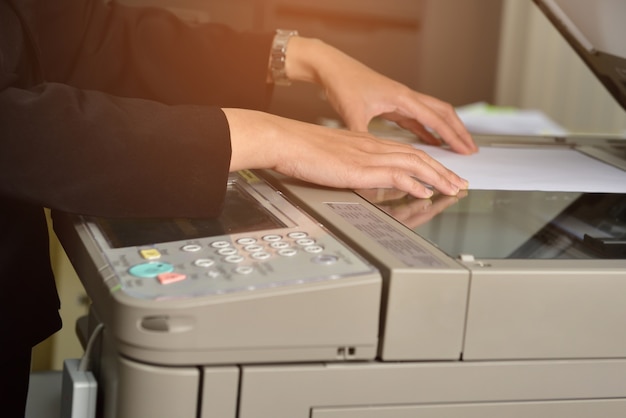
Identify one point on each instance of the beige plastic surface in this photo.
(547, 309)
(292, 391)
(551, 409)
(151, 391)
(424, 307)
(300, 322)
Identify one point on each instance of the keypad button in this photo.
(227, 251)
(253, 248)
(287, 252)
(297, 235)
(220, 244)
(313, 249)
(246, 241)
(272, 238)
(305, 241)
(234, 259)
(169, 278)
(204, 262)
(191, 248)
(279, 245)
(150, 254)
(150, 270)
(261, 255)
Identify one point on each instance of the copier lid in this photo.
(496, 224)
(596, 31)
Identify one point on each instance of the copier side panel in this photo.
(546, 310)
(424, 291)
(305, 390)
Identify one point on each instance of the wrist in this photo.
(312, 60)
(277, 71)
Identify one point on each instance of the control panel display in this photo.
(260, 241)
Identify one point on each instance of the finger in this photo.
(449, 126)
(393, 154)
(419, 130)
(405, 169)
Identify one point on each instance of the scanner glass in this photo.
(517, 225)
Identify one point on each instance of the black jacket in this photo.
(114, 111)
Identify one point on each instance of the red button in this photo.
(168, 278)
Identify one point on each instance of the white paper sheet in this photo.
(550, 169)
(482, 118)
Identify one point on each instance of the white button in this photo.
(191, 248)
(246, 241)
(261, 255)
(297, 235)
(287, 252)
(305, 241)
(272, 238)
(253, 248)
(234, 259)
(279, 245)
(227, 251)
(313, 249)
(220, 244)
(204, 262)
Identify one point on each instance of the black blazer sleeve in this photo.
(127, 121)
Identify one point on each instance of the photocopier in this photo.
(303, 301)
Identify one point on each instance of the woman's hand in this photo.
(334, 157)
(410, 212)
(358, 94)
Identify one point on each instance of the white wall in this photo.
(539, 70)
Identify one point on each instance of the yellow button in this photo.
(150, 254)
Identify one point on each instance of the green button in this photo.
(150, 270)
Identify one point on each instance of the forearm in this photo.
(312, 60)
(150, 53)
(90, 153)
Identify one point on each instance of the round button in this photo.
(305, 241)
(220, 244)
(297, 235)
(233, 259)
(279, 245)
(204, 262)
(227, 251)
(287, 252)
(272, 238)
(191, 248)
(246, 241)
(253, 248)
(261, 255)
(313, 249)
(150, 270)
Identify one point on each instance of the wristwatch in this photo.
(278, 55)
